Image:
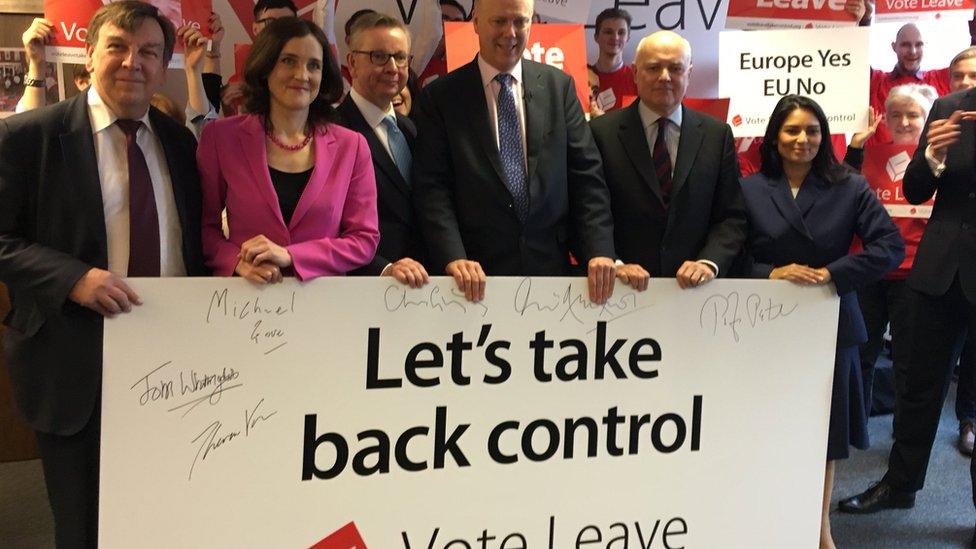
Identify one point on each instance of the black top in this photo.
(289, 187)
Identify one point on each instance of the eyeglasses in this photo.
(380, 58)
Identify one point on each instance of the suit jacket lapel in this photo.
(474, 94)
(783, 200)
(810, 192)
(633, 138)
(381, 158)
(536, 110)
(252, 148)
(325, 153)
(78, 147)
(688, 145)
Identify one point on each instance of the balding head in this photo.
(662, 68)
(908, 47)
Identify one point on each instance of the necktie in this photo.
(398, 147)
(143, 218)
(510, 145)
(662, 160)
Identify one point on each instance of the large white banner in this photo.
(830, 66)
(237, 416)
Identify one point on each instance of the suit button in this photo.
(972, 195)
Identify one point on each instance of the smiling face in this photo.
(127, 68)
(799, 138)
(503, 29)
(379, 84)
(905, 119)
(908, 46)
(612, 36)
(294, 81)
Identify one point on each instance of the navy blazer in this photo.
(816, 229)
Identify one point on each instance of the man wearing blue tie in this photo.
(507, 179)
(378, 62)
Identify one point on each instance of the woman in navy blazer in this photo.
(804, 210)
(299, 191)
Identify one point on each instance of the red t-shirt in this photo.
(621, 81)
(435, 69)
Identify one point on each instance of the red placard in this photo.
(241, 51)
(562, 46)
(787, 14)
(884, 166)
(346, 537)
(197, 13)
(717, 108)
(914, 10)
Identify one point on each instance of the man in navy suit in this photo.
(507, 178)
(378, 61)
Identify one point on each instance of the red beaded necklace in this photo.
(287, 147)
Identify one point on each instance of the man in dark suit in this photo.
(91, 190)
(672, 173)
(942, 295)
(507, 179)
(378, 61)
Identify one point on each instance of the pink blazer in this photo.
(334, 228)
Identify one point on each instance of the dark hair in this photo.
(456, 4)
(264, 56)
(613, 13)
(81, 72)
(128, 15)
(348, 27)
(825, 164)
(262, 5)
(374, 20)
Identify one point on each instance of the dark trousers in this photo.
(884, 302)
(937, 323)
(71, 472)
(966, 390)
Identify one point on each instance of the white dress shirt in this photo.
(492, 87)
(374, 117)
(113, 175)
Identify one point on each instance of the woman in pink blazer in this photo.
(298, 190)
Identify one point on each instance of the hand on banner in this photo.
(469, 277)
(409, 272)
(800, 274)
(262, 273)
(261, 249)
(104, 293)
(600, 276)
(856, 8)
(35, 37)
(694, 273)
(194, 44)
(634, 276)
(874, 119)
(945, 132)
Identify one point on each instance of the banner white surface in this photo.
(236, 416)
(828, 65)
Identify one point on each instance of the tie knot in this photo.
(662, 124)
(129, 127)
(390, 122)
(504, 78)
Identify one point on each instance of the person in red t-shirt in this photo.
(616, 79)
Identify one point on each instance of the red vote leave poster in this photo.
(787, 14)
(914, 10)
(347, 537)
(884, 167)
(559, 45)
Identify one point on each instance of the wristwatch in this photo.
(33, 82)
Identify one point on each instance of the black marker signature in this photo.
(395, 298)
(725, 311)
(567, 303)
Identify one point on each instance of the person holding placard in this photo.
(804, 209)
(672, 173)
(299, 190)
(94, 191)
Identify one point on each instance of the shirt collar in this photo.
(649, 117)
(488, 72)
(896, 72)
(102, 117)
(374, 115)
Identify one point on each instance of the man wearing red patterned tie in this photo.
(92, 190)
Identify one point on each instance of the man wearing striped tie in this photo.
(378, 61)
(672, 173)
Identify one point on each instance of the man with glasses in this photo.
(378, 62)
(507, 180)
(672, 173)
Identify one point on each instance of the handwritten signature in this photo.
(567, 303)
(222, 303)
(395, 298)
(212, 438)
(725, 311)
(156, 386)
